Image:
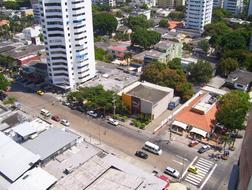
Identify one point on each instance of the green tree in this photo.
(176, 15)
(104, 23)
(135, 22)
(226, 66)
(41, 37)
(4, 83)
(144, 6)
(145, 38)
(164, 23)
(204, 45)
(200, 72)
(175, 64)
(232, 110)
(161, 74)
(234, 40)
(219, 14)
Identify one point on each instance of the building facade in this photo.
(233, 6)
(218, 3)
(170, 3)
(198, 13)
(68, 32)
(250, 8)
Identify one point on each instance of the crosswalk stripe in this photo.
(194, 183)
(195, 176)
(192, 179)
(202, 169)
(205, 160)
(207, 164)
(203, 165)
(201, 174)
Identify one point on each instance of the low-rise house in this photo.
(147, 98)
(240, 80)
(163, 12)
(197, 116)
(164, 51)
(146, 13)
(175, 24)
(119, 50)
(4, 22)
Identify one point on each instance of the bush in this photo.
(141, 121)
(9, 100)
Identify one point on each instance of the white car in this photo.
(113, 122)
(65, 122)
(92, 114)
(172, 172)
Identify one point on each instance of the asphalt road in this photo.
(122, 138)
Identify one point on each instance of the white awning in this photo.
(179, 124)
(198, 131)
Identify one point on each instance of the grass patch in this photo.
(9, 100)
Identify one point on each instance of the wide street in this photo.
(125, 139)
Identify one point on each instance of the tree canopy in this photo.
(135, 22)
(161, 74)
(163, 23)
(145, 38)
(200, 72)
(175, 64)
(232, 110)
(226, 66)
(176, 15)
(104, 23)
(204, 45)
(4, 83)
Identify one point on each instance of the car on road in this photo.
(193, 169)
(113, 122)
(204, 149)
(40, 92)
(193, 143)
(141, 154)
(172, 172)
(92, 114)
(56, 118)
(65, 103)
(65, 122)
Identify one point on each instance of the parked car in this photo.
(40, 92)
(193, 169)
(92, 114)
(65, 103)
(141, 154)
(172, 172)
(113, 122)
(65, 122)
(204, 149)
(56, 118)
(193, 143)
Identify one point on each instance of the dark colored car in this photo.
(56, 118)
(141, 154)
(204, 149)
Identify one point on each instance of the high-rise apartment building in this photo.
(250, 8)
(218, 3)
(170, 3)
(198, 14)
(68, 31)
(36, 9)
(233, 6)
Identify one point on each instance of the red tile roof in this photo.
(204, 122)
(174, 24)
(4, 22)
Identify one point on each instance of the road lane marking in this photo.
(204, 163)
(209, 175)
(195, 176)
(189, 166)
(185, 159)
(178, 162)
(205, 160)
(191, 180)
(202, 169)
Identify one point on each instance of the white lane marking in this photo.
(195, 176)
(193, 179)
(209, 175)
(189, 166)
(202, 169)
(202, 172)
(205, 160)
(205, 163)
(178, 162)
(194, 183)
(185, 159)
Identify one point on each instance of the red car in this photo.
(56, 118)
(193, 143)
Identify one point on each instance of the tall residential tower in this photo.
(68, 31)
(198, 14)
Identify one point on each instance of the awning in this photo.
(198, 131)
(180, 124)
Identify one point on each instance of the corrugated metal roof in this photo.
(14, 159)
(49, 142)
(24, 129)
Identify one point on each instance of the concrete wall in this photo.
(162, 105)
(146, 107)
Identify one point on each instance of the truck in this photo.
(174, 103)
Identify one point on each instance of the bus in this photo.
(153, 148)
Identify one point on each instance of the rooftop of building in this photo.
(153, 53)
(24, 51)
(240, 76)
(4, 22)
(49, 142)
(199, 113)
(147, 91)
(164, 45)
(14, 158)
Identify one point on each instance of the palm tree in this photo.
(128, 56)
